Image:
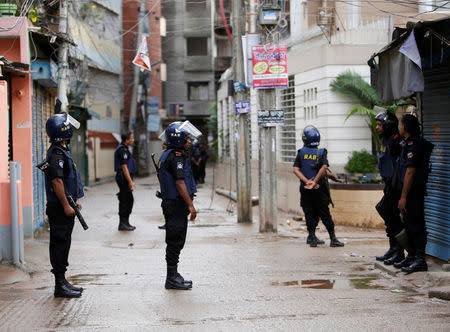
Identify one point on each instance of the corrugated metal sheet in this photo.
(436, 125)
(38, 156)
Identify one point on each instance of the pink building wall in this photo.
(14, 47)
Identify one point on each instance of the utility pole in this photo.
(62, 57)
(243, 166)
(136, 74)
(268, 198)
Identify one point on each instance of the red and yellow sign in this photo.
(269, 66)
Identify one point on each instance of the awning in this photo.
(422, 46)
(94, 114)
(107, 140)
(11, 66)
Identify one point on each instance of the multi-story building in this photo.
(95, 85)
(188, 49)
(147, 123)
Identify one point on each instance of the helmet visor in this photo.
(162, 136)
(190, 130)
(72, 121)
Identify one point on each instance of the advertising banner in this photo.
(269, 66)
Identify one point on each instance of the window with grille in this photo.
(197, 46)
(195, 4)
(198, 91)
(288, 148)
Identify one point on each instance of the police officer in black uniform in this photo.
(310, 167)
(387, 129)
(411, 177)
(125, 168)
(196, 161)
(62, 177)
(204, 155)
(177, 190)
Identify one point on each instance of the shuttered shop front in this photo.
(436, 126)
(42, 110)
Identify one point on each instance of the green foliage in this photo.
(89, 10)
(361, 162)
(353, 86)
(33, 15)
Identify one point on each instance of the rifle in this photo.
(157, 193)
(43, 166)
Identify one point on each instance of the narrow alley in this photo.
(243, 280)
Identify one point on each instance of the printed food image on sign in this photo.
(260, 68)
(269, 66)
(277, 69)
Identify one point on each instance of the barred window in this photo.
(288, 148)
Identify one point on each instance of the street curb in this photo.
(442, 293)
(389, 269)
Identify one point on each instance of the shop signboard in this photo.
(269, 66)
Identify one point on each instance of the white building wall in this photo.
(317, 105)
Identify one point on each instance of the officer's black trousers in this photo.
(314, 203)
(388, 210)
(415, 221)
(61, 227)
(202, 169)
(125, 196)
(195, 172)
(175, 212)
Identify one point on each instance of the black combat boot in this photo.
(397, 257)
(406, 262)
(313, 240)
(128, 223)
(62, 290)
(418, 264)
(334, 242)
(72, 287)
(174, 280)
(388, 254)
(162, 226)
(123, 225)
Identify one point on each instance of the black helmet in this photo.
(59, 128)
(311, 136)
(174, 137)
(177, 132)
(389, 122)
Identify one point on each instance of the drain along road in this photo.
(243, 280)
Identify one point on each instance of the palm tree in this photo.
(353, 86)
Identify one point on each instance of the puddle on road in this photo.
(85, 278)
(206, 225)
(354, 283)
(366, 243)
(132, 245)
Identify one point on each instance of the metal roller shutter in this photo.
(436, 125)
(38, 156)
(42, 110)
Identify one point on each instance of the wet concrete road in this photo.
(243, 280)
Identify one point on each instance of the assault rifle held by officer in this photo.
(43, 166)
